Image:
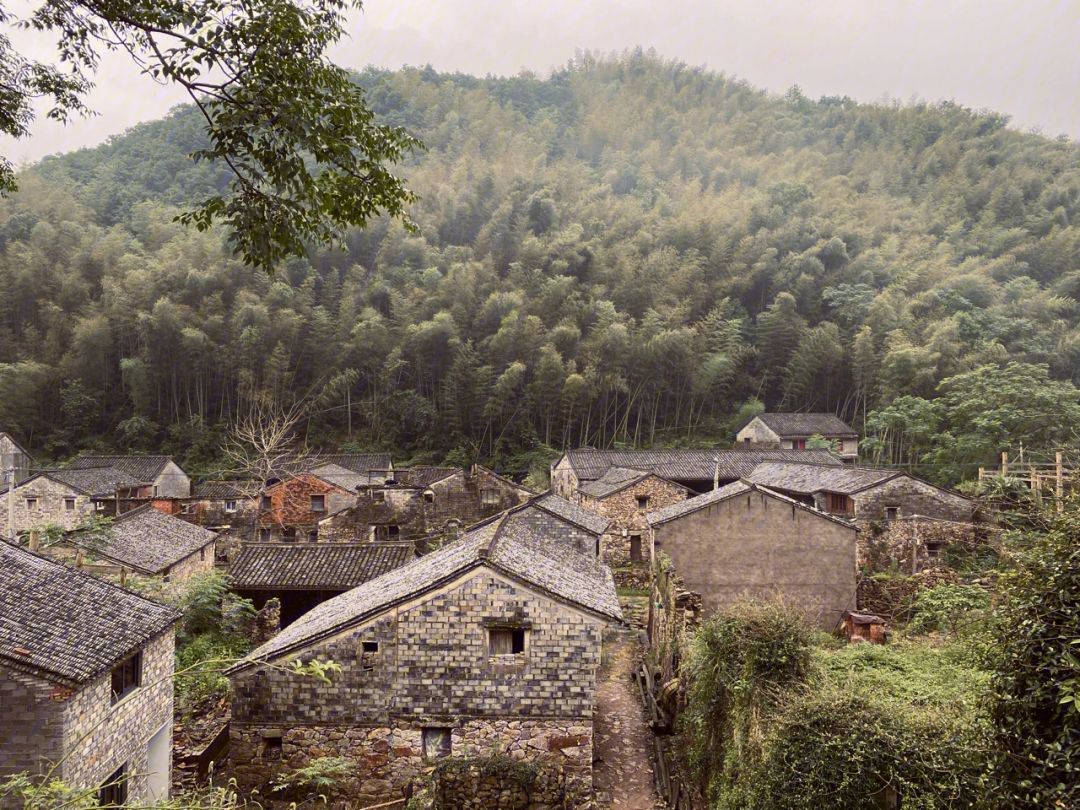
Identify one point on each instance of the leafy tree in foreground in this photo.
(1036, 689)
(306, 157)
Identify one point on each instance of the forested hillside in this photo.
(630, 251)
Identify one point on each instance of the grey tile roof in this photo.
(66, 624)
(423, 477)
(93, 481)
(677, 510)
(354, 462)
(341, 477)
(141, 468)
(806, 479)
(806, 424)
(315, 566)
(571, 513)
(227, 490)
(500, 543)
(687, 465)
(612, 481)
(150, 541)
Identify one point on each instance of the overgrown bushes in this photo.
(774, 724)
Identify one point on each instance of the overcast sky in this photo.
(1020, 58)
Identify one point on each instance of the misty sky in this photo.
(1021, 58)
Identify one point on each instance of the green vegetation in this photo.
(626, 252)
(290, 134)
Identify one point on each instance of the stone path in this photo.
(623, 744)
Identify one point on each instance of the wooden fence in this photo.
(672, 784)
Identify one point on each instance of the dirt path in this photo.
(623, 774)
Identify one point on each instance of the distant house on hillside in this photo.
(791, 431)
(697, 470)
(85, 680)
(626, 497)
(161, 474)
(304, 575)
(745, 541)
(489, 643)
(290, 510)
(15, 463)
(862, 494)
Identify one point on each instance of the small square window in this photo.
(506, 641)
(489, 497)
(378, 496)
(643, 502)
(69, 504)
(839, 445)
(436, 743)
(892, 512)
(166, 574)
(31, 503)
(126, 677)
(369, 655)
(318, 503)
(264, 535)
(230, 506)
(289, 534)
(267, 502)
(99, 506)
(429, 497)
(393, 532)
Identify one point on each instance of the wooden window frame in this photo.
(126, 677)
(318, 503)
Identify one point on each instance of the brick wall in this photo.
(432, 669)
(41, 722)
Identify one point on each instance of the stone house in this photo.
(86, 690)
(791, 431)
(66, 497)
(364, 469)
(491, 642)
(744, 540)
(221, 505)
(422, 504)
(160, 474)
(290, 510)
(626, 497)
(864, 495)
(304, 575)
(697, 470)
(15, 463)
(148, 543)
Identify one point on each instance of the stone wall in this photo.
(431, 669)
(291, 506)
(42, 722)
(910, 496)
(628, 519)
(390, 760)
(201, 562)
(564, 481)
(172, 482)
(51, 505)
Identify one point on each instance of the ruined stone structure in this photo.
(493, 640)
(85, 679)
(698, 470)
(221, 505)
(791, 431)
(626, 497)
(423, 505)
(745, 541)
(864, 495)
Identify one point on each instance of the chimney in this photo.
(35, 540)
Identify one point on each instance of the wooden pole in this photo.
(1005, 465)
(1059, 482)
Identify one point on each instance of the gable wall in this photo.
(564, 481)
(172, 482)
(50, 508)
(12, 456)
(292, 505)
(913, 497)
(432, 669)
(622, 508)
(755, 546)
(758, 431)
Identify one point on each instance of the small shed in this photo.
(863, 627)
